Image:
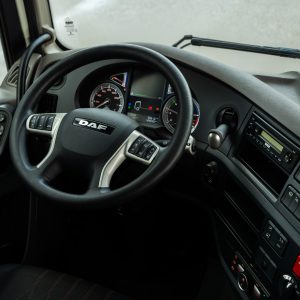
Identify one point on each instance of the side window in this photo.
(3, 69)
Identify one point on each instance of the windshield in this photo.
(275, 23)
(86, 23)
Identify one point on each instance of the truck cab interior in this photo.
(143, 166)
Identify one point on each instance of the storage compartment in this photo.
(271, 174)
(241, 215)
(238, 226)
(245, 205)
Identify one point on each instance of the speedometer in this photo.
(170, 113)
(107, 95)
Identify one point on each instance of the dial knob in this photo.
(243, 282)
(286, 287)
(288, 157)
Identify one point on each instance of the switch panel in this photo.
(291, 200)
(275, 238)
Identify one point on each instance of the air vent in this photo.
(12, 78)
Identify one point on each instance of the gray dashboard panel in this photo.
(283, 109)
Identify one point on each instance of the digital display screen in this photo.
(272, 141)
(146, 94)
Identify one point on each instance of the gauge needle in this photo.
(173, 111)
(102, 104)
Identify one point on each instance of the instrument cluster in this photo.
(143, 94)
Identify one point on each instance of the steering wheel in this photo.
(95, 142)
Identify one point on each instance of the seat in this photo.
(19, 282)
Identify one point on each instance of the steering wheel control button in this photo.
(41, 122)
(33, 122)
(49, 122)
(135, 147)
(143, 149)
(150, 152)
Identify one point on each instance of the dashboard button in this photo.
(243, 282)
(296, 267)
(290, 200)
(256, 292)
(275, 238)
(295, 203)
(297, 176)
(240, 268)
(297, 213)
(280, 244)
(288, 157)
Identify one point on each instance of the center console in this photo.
(259, 238)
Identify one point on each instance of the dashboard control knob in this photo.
(287, 287)
(243, 282)
(288, 157)
(190, 146)
(217, 136)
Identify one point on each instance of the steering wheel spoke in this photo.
(137, 147)
(48, 125)
(48, 168)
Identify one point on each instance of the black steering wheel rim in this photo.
(156, 171)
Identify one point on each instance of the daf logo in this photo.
(97, 126)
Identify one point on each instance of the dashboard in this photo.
(252, 182)
(137, 91)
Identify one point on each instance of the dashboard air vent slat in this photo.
(12, 78)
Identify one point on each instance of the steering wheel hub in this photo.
(94, 132)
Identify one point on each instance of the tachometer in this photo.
(107, 95)
(170, 113)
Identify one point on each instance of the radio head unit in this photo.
(267, 153)
(272, 143)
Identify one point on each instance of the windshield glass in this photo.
(81, 23)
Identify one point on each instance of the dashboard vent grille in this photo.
(12, 78)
